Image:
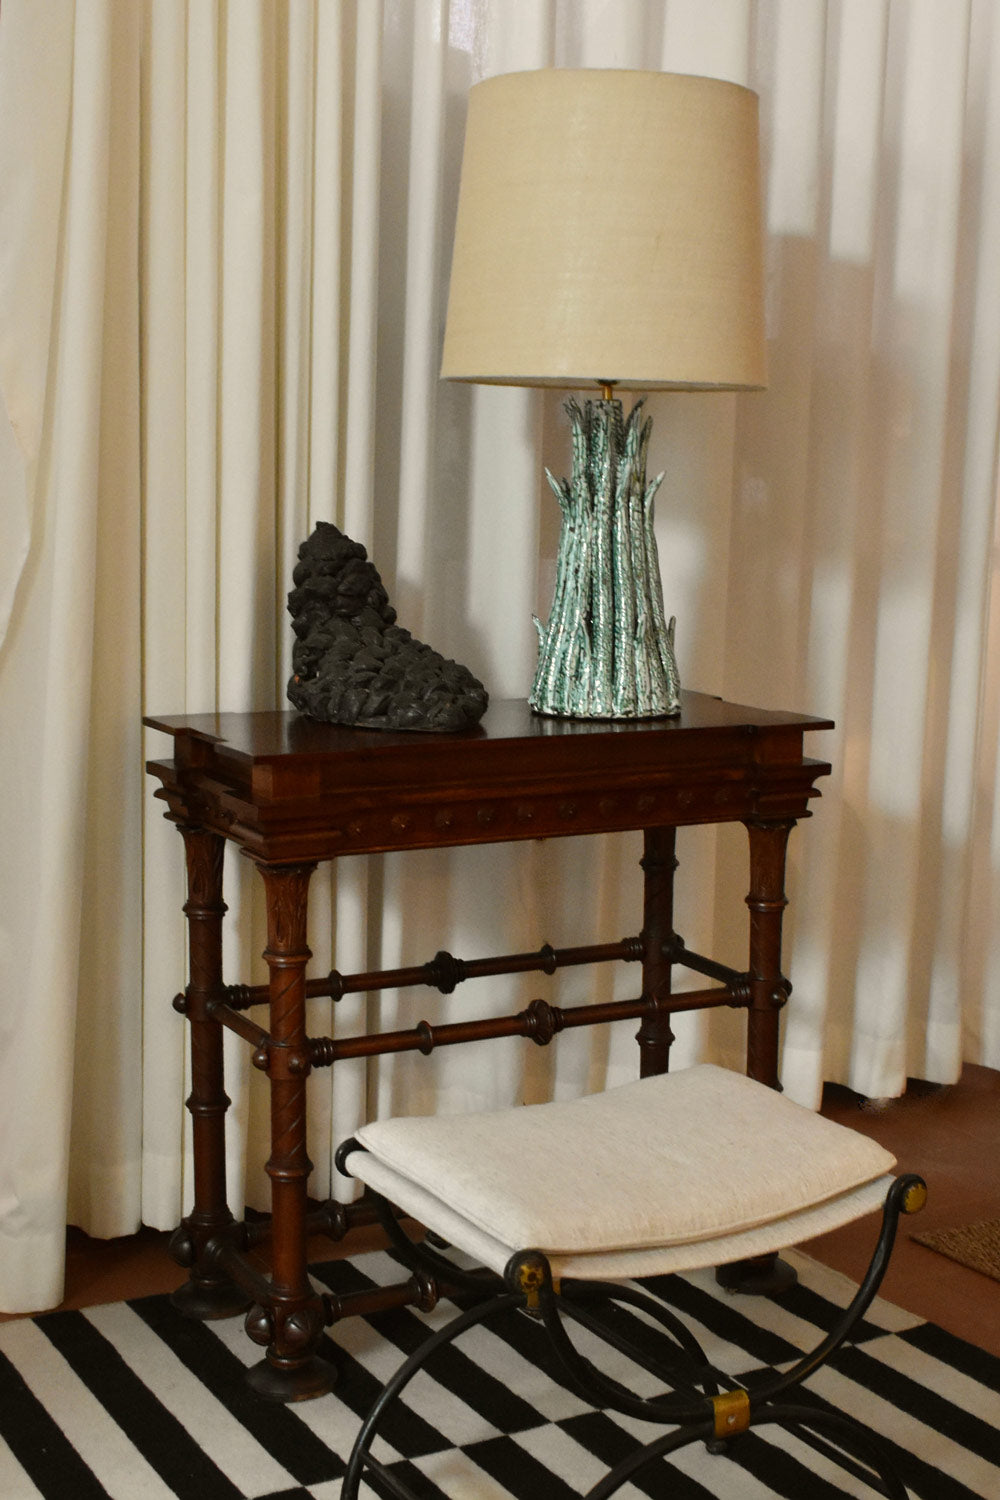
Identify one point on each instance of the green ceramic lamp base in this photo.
(607, 651)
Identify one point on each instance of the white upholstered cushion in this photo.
(674, 1160)
(616, 1265)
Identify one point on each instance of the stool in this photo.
(559, 1204)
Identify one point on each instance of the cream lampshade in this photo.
(608, 232)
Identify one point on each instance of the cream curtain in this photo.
(223, 270)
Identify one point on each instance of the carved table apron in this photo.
(291, 793)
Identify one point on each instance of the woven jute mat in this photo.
(974, 1245)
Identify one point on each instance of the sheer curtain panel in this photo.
(224, 254)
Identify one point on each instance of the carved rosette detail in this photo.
(297, 1332)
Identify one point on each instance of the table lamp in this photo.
(608, 234)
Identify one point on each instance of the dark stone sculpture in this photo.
(352, 663)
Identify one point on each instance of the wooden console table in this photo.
(291, 793)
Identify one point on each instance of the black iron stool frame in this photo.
(703, 1404)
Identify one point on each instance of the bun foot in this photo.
(294, 1382)
(762, 1276)
(210, 1300)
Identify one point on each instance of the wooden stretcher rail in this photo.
(445, 972)
(539, 1021)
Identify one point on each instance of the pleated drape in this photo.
(70, 903)
(223, 275)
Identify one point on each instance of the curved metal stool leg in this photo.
(906, 1196)
(851, 1433)
(670, 1442)
(403, 1376)
(705, 1417)
(529, 1271)
(579, 1294)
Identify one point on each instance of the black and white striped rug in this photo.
(132, 1401)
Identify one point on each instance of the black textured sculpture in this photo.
(352, 663)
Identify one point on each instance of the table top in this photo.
(515, 775)
(274, 734)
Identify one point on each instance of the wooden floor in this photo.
(951, 1135)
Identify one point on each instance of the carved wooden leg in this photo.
(208, 1292)
(658, 865)
(769, 990)
(292, 1323)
